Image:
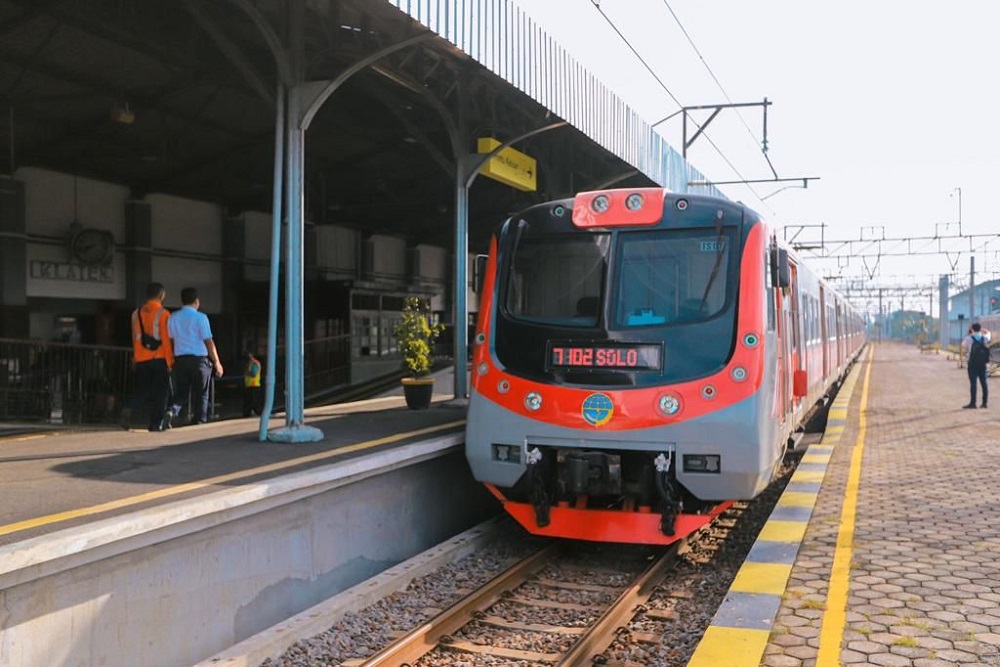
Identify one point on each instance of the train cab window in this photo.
(558, 280)
(675, 277)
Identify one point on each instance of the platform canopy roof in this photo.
(177, 96)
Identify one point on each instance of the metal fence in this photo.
(68, 383)
(62, 382)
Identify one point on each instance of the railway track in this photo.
(522, 614)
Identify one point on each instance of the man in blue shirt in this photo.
(195, 358)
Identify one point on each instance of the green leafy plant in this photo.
(415, 335)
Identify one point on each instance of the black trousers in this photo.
(152, 383)
(253, 401)
(978, 373)
(191, 379)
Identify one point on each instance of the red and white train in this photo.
(641, 360)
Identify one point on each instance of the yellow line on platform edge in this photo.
(761, 578)
(730, 647)
(220, 479)
(835, 619)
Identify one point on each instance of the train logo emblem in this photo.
(598, 409)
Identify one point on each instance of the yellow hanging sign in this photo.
(509, 166)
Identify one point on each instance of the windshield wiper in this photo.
(718, 260)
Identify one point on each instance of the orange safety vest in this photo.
(154, 321)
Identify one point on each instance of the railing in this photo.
(90, 384)
(63, 382)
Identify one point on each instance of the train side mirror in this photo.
(781, 275)
(479, 273)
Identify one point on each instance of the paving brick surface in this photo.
(925, 570)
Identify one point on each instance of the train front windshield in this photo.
(674, 288)
(661, 278)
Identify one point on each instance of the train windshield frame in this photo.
(662, 277)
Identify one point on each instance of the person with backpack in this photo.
(978, 345)
(152, 358)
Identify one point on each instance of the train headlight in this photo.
(751, 340)
(708, 392)
(503, 386)
(634, 201)
(600, 204)
(533, 401)
(483, 368)
(669, 404)
(739, 373)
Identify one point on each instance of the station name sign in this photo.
(509, 166)
(65, 271)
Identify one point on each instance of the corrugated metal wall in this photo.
(507, 41)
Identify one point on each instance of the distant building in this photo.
(986, 297)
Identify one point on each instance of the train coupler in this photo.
(539, 498)
(670, 502)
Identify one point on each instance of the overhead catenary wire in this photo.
(722, 89)
(656, 77)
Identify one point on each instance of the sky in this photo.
(893, 105)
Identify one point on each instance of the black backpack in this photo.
(979, 354)
(147, 341)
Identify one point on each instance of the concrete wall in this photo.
(178, 583)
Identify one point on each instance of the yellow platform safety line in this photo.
(730, 647)
(220, 479)
(835, 619)
(816, 458)
(797, 499)
(761, 578)
(783, 531)
(807, 476)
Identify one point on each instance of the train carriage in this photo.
(641, 360)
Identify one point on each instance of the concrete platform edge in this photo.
(739, 631)
(274, 641)
(34, 558)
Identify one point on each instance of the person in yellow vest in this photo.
(252, 403)
(152, 358)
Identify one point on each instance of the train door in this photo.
(840, 335)
(786, 329)
(797, 359)
(823, 332)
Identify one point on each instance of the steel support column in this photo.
(295, 429)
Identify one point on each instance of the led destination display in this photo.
(609, 356)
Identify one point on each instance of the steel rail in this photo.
(422, 640)
(600, 635)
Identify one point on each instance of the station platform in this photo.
(55, 479)
(882, 548)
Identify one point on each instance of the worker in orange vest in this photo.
(152, 357)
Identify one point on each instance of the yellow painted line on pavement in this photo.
(783, 531)
(220, 479)
(816, 458)
(732, 647)
(762, 578)
(835, 619)
(797, 499)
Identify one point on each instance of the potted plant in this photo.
(415, 335)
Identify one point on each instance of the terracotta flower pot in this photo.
(418, 392)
